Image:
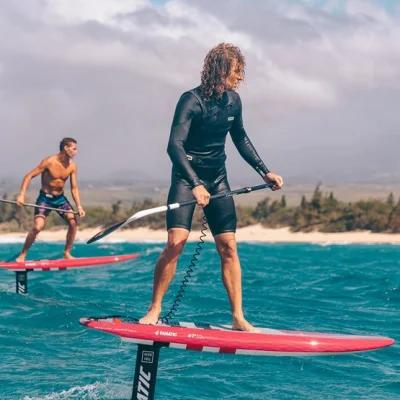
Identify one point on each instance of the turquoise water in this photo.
(46, 354)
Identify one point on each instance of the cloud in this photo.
(102, 11)
(321, 75)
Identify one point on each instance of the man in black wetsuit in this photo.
(202, 120)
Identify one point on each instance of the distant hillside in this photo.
(322, 211)
(106, 192)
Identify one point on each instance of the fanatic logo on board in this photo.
(164, 333)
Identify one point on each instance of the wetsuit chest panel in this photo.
(218, 118)
(209, 129)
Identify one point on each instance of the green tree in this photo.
(303, 204)
(390, 200)
(316, 200)
(394, 219)
(262, 211)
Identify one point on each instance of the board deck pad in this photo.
(222, 339)
(61, 264)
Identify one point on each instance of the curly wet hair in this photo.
(217, 67)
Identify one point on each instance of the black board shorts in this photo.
(220, 214)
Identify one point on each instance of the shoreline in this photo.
(253, 233)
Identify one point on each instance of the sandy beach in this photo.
(254, 233)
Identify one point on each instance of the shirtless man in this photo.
(54, 170)
(203, 118)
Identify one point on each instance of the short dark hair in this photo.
(66, 142)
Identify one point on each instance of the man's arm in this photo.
(75, 191)
(249, 153)
(184, 113)
(244, 145)
(27, 180)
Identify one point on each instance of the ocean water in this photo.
(354, 289)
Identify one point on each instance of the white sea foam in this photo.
(92, 391)
(7, 288)
(21, 239)
(326, 244)
(10, 240)
(116, 241)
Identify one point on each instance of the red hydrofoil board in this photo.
(53, 265)
(222, 339)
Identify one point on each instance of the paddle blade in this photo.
(105, 232)
(138, 215)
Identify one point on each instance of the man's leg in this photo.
(37, 227)
(164, 272)
(71, 233)
(232, 279)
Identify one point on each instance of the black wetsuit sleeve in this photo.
(244, 145)
(186, 109)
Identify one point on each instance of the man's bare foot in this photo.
(243, 325)
(151, 318)
(68, 256)
(20, 258)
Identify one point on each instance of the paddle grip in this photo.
(231, 193)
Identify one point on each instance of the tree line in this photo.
(322, 212)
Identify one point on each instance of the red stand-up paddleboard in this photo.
(22, 268)
(221, 339)
(62, 263)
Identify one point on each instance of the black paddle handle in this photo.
(232, 193)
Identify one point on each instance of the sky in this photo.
(320, 100)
